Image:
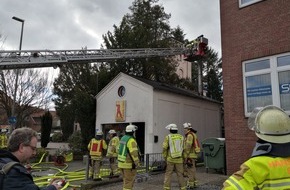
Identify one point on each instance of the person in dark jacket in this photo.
(21, 147)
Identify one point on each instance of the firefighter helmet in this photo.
(131, 128)
(99, 133)
(112, 131)
(271, 124)
(171, 126)
(3, 130)
(187, 126)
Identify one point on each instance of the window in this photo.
(267, 82)
(244, 3)
(259, 91)
(121, 91)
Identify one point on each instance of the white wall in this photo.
(139, 104)
(172, 108)
(157, 110)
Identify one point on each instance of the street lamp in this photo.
(22, 21)
(17, 73)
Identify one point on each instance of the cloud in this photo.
(72, 24)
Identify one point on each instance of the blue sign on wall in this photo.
(284, 88)
(259, 91)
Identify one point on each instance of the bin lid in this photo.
(213, 145)
(214, 140)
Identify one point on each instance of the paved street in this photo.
(210, 181)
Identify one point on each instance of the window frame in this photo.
(241, 5)
(274, 78)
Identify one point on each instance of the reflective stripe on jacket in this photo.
(261, 172)
(191, 145)
(128, 156)
(3, 141)
(96, 147)
(173, 148)
(113, 147)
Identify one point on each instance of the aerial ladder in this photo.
(22, 59)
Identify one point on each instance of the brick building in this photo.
(256, 67)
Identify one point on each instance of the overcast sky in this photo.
(73, 24)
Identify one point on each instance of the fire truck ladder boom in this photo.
(21, 59)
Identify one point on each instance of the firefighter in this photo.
(112, 153)
(191, 150)
(128, 157)
(192, 47)
(97, 147)
(268, 167)
(3, 139)
(172, 153)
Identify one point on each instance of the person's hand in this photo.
(58, 183)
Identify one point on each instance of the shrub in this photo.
(56, 137)
(75, 143)
(39, 153)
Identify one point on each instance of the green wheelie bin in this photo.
(214, 154)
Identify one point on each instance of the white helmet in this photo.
(187, 126)
(99, 133)
(271, 124)
(3, 130)
(131, 128)
(171, 126)
(112, 131)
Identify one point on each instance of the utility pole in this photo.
(200, 83)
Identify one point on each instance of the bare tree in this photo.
(32, 92)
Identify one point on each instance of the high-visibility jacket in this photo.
(3, 140)
(173, 148)
(261, 172)
(96, 147)
(191, 145)
(128, 155)
(113, 147)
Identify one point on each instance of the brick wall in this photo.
(258, 30)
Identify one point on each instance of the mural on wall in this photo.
(120, 110)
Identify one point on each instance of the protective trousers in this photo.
(95, 169)
(179, 172)
(128, 178)
(191, 173)
(113, 165)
